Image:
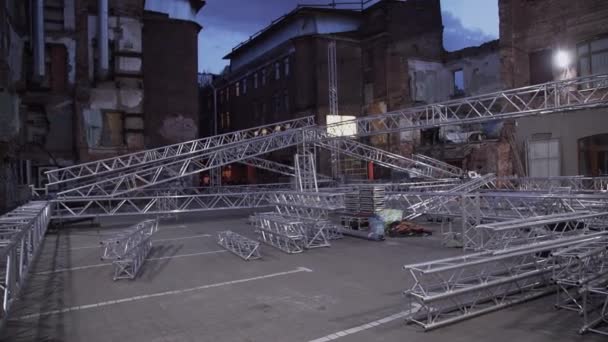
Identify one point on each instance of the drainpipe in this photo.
(38, 36)
(102, 40)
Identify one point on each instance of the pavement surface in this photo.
(190, 289)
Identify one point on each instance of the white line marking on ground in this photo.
(108, 263)
(161, 294)
(157, 240)
(367, 326)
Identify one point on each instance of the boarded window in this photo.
(541, 67)
(113, 129)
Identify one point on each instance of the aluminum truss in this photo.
(124, 162)
(537, 229)
(383, 158)
(313, 200)
(244, 247)
(542, 99)
(172, 170)
(279, 232)
(576, 183)
(122, 243)
(450, 290)
(440, 199)
(439, 164)
(595, 307)
(128, 265)
(580, 265)
(155, 204)
(21, 233)
(306, 172)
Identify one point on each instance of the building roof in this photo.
(280, 22)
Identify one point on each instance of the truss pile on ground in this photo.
(550, 184)
(580, 265)
(450, 290)
(21, 233)
(244, 247)
(434, 201)
(595, 306)
(129, 249)
(536, 229)
(312, 209)
(279, 232)
(119, 244)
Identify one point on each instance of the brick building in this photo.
(390, 55)
(532, 35)
(87, 79)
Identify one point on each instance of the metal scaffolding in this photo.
(22, 231)
(244, 247)
(120, 244)
(306, 172)
(450, 290)
(541, 99)
(279, 232)
(167, 153)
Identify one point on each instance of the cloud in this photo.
(456, 36)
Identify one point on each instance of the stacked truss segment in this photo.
(595, 306)
(244, 247)
(581, 265)
(21, 233)
(120, 243)
(450, 290)
(279, 232)
(533, 230)
(306, 172)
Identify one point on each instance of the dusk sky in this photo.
(228, 22)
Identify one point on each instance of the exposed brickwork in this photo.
(528, 26)
(170, 65)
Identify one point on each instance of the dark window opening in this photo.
(541, 66)
(593, 155)
(458, 82)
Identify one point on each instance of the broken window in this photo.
(286, 64)
(593, 57)
(541, 66)
(458, 82)
(277, 71)
(112, 130)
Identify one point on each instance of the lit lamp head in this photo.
(562, 59)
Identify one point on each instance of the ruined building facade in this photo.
(85, 79)
(388, 56)
(531, 35)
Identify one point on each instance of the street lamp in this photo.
(562, 59)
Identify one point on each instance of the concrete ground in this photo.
(192, 290)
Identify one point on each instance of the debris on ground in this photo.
(407, 229)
